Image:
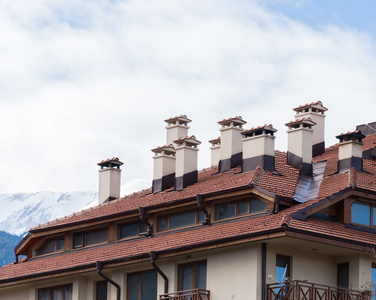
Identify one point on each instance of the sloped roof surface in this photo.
(282, 183)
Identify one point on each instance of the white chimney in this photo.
(164, 168)
(177, 127)
(258, 148)
(350, 151)
(109, 179)
(186, 162)
(231, 143)
(299, 148)
(215, 151)
(315, 111)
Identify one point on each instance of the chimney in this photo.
(231, 143)
(109, 179)
(315, 111)
(177, 127)
(350, 150)
(299, 148)
(164, 168)
(215, 151)
(258, 148)
(186, 162)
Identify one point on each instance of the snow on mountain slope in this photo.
(19, 212)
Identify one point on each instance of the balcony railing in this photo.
(302, 290)
(195, 294)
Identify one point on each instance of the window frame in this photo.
(142, 230)
(52, 288)
(372, 206)
(139, 273)
(237, 201)
(84, 238)
(193, 264)
(168, 216)
(97, 286)
(55, 240)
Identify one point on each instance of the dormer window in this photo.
(131, 230)
(51, 245)
(363, 213)
(239, 208)
(178, 220)
(92, 237)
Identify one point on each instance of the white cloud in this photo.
(83, 81)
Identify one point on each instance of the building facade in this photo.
(257, 224)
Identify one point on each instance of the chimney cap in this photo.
(317, 104)
(236, 120)
(267, 127)
(307, 121)
(182, 119)
(215, 141)
(356, 136)
(167, 148)
(189, 140)
(110, 162)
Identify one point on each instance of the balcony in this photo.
(303, 290)
(195, 294)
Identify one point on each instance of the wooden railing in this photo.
(195, 294)
(303, 290)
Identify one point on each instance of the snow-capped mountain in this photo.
(19, 212)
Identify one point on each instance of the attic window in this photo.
(92, 237)
(178, 220)
(131, 230)
(242, 207)
(51, 245)
(363, 213)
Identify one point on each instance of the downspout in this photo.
(263, 276)
(201, 207)
(99, 270)
(142, 212)
(153, 256)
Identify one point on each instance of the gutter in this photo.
(153, 256)
(99, 270)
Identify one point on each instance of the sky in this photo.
(82, 81)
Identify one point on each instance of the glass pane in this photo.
(201, 276)
(374, 215)
(44, 294)
(149, 285)
(60, 244)
(133, 287)
(68, 292)
(373, 280)
(243, 208)
(343, 275)
(48, 247)
(78, 239)
(162, 223)
(201, 217)
(183, 219)
(224, 211)
(101, 290)
(57, 294)
(128, 230)
(257, 206)
(282, 270)
(185, 278)
(95, 237)
(361, 213)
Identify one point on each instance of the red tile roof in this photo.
(302, 120)
(282, 182)
(237, 119)
(318, 103)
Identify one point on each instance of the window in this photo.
(63, 292)
(51, 245)
(282, 269)
(178, 220)
(343, 274)
(192, 276)
(131, 230)
(142, 286)
(87, 238)
(373, 281)
(239, 208)
(101, 290)
(363, 213)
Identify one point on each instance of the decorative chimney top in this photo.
(232, 122)
(266, 129)
(178, 120)
(110, 163)
(215, 142)
(166, 150)
(315, 107)
(189, 141)
(355, 136)
(301, 123)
